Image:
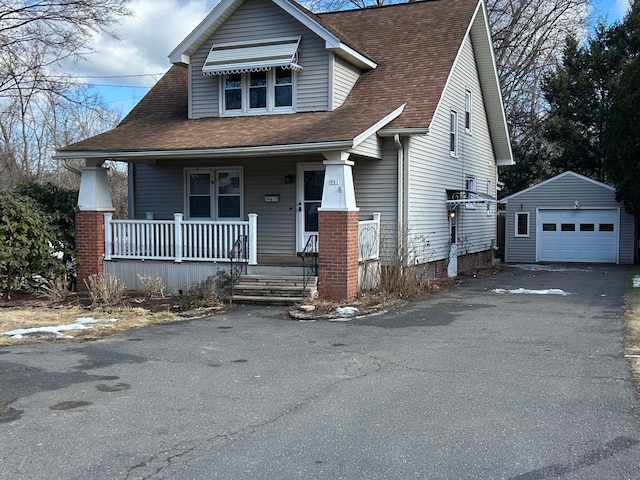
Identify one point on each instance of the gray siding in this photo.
(371, 147)
(256, 20)
(432, 171)
(376, 189)
(559, 193)
(345, 77)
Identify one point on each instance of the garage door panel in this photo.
(577, 235)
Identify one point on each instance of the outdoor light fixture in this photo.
(576, 205)
(452, 214)
(288, 179)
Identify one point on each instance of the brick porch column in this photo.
(94, 199)
(338, 231)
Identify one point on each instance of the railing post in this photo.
(376, 218)
(177, 218)
(253, 239)
(108, 239)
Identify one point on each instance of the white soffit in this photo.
(256, 56)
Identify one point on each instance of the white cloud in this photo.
(621, 7)
(146, 38)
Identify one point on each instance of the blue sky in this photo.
(124, 70)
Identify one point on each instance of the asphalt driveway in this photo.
(468, 383)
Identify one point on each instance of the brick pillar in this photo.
(90, 245)
(337, 255)
(94, 199)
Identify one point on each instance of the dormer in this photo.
(264, 57)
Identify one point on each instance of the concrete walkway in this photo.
(465, 384)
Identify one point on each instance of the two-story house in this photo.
(278, 132)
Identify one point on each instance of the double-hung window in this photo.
(468, 105)
(214, 194)
(453, 134)
(258, 92)
(470, 187)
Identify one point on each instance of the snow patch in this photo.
(526, 291)
(548, 268)
(636, 281)
(78, 324)
(347, 311)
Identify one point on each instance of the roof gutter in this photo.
(133, 155)
(392, 132)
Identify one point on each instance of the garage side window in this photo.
(522, 224)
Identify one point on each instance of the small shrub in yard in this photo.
(105, 290)
(151, 287)
(56, 289)
(202, 294)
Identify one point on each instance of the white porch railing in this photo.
(369, 239)
(178, 239)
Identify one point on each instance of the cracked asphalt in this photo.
(464, 384)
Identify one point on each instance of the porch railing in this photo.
(369, 239)
(177, 239)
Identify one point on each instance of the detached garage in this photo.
(568, 218)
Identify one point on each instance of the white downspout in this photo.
(396, 139)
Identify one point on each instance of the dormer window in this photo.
(258, 92)
(256, 77)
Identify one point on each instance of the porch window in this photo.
(214, 194)
(199, 193)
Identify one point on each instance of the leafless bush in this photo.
(403, 271)
(105, 290)
(151, 287)
(56, 289)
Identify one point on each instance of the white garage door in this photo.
(577, 236)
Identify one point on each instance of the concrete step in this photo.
(276, 289)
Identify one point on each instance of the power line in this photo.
(108, 76)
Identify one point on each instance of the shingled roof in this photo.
(413, 44)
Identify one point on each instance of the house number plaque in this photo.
(272, 198)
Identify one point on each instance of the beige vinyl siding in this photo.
(432, 171)
(561, 193)
(257, 20)
(345, 77)
(376, 189)
(371, 147)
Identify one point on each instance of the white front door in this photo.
(309, 193)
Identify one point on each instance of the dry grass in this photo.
(29, 317)
(632, 324)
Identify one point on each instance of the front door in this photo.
(310, 186)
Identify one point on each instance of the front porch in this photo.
(184, 252)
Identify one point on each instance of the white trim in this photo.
(213, 192)
(301, 167)
(468, 110)
(333, 43)
(553, 179)
(211, 152)
(515, 232)
(390, 132)
(379, 124)
(245, 89)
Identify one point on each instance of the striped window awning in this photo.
(258, 56)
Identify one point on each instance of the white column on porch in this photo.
(108, 238)
(253, 239)
(95, 194)
(338, 193)
(177, 219)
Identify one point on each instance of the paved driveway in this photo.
(466, 384)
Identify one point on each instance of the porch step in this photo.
(273, 289)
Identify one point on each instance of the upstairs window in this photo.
(470, 186)
(258, 92)
(256, 76)
(467, 111)
(453, 134)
